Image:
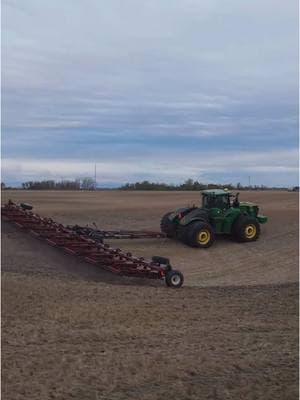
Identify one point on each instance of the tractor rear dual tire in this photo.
(246, 229)
(181, 233)
(168, 227)
(198, 234)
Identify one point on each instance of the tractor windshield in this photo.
(216, 202)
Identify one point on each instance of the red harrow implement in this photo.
(100, 235)
(87, 244)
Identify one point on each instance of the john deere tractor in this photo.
(221, 213)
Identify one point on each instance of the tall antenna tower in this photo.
(95, 178)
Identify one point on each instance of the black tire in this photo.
(26, 206)
(181, 233)
(203, 214)
(200, 234)
(246, 229)
(174, 279)
(168, 227)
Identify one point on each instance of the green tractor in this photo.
(221, 213)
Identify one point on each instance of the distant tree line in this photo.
(189, 184)
(89, 184)
(77, 184)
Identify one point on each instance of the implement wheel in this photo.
(26, 206)
(199, 234)
(168, 227)
(246, 229)
(174, 279)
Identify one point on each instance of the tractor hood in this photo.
(247, 203)
(252, 209)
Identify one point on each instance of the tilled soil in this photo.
(72, 331)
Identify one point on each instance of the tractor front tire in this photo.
(199, 234)
(174, 279)
(166, 226)
(246, 229)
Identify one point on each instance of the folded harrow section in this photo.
(79, 243)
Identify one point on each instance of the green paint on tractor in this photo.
(221, 213)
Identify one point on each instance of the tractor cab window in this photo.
(209, 201)
(215, 202)
(224, 202)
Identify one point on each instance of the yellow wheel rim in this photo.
(250, 231)
(203, 236)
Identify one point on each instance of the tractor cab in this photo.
(219, 198)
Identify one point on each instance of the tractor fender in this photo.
(180, 213)
(187, 221)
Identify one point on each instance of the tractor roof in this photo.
(215, 192)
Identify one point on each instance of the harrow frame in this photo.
(92, 250)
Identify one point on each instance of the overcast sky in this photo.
(150, 89)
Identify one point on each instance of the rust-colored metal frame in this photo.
(94, 252)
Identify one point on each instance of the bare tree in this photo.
(88, 183)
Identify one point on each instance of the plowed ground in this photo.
(71, 331)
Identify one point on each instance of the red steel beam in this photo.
(94, 252)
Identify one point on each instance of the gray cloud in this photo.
(175, 167)
(94, 74)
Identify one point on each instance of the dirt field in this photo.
(71, 331)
